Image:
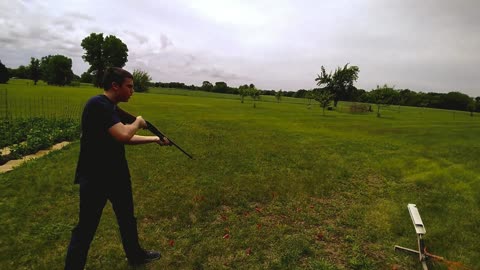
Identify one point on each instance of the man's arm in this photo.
(124, 133)
(139, 139)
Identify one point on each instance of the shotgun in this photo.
(130, 119)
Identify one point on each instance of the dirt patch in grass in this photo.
(10, 165)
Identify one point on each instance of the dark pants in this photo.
(93, 197)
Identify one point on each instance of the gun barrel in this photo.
(130, 119)
(155, 131)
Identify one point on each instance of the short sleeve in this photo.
(103, 114)
(108, 116)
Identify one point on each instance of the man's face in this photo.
(125, 90)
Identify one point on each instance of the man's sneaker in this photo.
(148, 256)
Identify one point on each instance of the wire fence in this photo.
(12, 108)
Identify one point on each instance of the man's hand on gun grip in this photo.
(164, 141)
(141, 122)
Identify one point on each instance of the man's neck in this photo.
(111, 96)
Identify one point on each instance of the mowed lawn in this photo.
(278, 186)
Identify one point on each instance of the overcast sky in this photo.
(427, 45)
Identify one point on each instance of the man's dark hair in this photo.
(115, 74)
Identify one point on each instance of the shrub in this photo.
(359, 108)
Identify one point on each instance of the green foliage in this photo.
(278, 95)
(383, 96)
(207, 86)
(471, 107)
(27, 136)
(243, 92)
(455, 101)
(13, 132)
(34, 69)
(4, 74)
(254, 93)
(309, 95)
(323, 97)
(101, 53)
(20, 73)
(220, 87)
(86, 77)
(340, 84)
(141, 80)
(246, 90)
(56, 69)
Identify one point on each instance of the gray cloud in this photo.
(79, 16)
(429, 45)
(142, 39)
(218, 74)
(165, 41)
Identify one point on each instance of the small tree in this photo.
(278, 95)
(383, 96)
(243, 92)
(324, 98)
(141, 80)
(471, 107)
(34, 70)
(4, 74)
(340, 83)
(255, 94)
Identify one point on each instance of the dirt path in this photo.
(10, 165)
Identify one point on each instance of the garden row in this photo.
(24, 136)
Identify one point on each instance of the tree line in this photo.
(53, 69)
(100, 52)
(339, 85)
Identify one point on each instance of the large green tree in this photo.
(86, 78)
(56, 69)
(207, 86)
(34, 70)
(4, 74)
(141, 80)
(340, 83)
(102, 52)
(220, 87)
(455, 101)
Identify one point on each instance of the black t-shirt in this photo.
(102, 157)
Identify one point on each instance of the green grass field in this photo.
(278, 186)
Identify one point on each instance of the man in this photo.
(102, 171)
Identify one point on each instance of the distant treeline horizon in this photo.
(453, 100)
